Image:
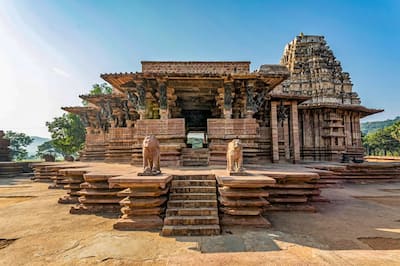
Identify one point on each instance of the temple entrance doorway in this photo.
(196, 102)
(196, 127)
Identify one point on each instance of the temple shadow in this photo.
(15, 180)
(228, 241)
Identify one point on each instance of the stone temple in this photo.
(188, 148)
(303, 109)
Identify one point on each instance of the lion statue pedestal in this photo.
(151, 156)
(234, 158)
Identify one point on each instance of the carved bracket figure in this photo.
(133, 98)
(250, 98)
(84, 119)
(142, 97)
(234, 157)
(228, 96)
(125, 110)
(259, 100)
(151, 156)
(163, 96)
(282, 113)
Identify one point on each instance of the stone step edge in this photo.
(189, 217)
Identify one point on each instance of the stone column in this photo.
(274, 133)
(286, 138)
(347, 130)
(163, 101)
(295, 132)
(227, 100)
(357, 130)
(249, 99)
(141, 90)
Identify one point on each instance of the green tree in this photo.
(67, 134)
(18, 143)
(382, 142)
(99, 89)
(47, 148)
(395, 131)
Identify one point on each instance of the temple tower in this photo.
(329, 121)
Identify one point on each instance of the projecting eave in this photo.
(123, 80)
(95, 99)
(289, 96)
(77, 109)
(118, 79)
(364, 111)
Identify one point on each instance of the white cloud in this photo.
(61, 72)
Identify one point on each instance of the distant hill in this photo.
(368, 127)
(32, 148)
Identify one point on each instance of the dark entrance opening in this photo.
(196, 120)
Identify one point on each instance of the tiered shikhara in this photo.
(302, 109)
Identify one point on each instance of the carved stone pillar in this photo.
(249, 99)
(141, 90)
(274, 133)
(163, 101)
(227, 100)
(287, 139)
(295, 132)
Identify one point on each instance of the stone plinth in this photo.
(44, 172)
(72, 182)
(293, 191)
(144, 204)
(242, 199)
(96, 196)
(11, 169)
(49, 171)
(59, 177)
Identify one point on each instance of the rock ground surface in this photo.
(361, 226)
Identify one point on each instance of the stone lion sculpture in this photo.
(151, 156)
(234, 156)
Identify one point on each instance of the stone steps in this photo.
(191, 220)
(193, 196)
(194, 189)
(190, 230)
(195, 157)
(194, 177)
(191, 203)
(189, 183)
(192, 208)
(192, 211)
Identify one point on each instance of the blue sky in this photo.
(51, 51)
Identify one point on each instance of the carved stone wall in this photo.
(169, 132)
(196, 67)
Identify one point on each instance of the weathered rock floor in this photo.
(361, 226)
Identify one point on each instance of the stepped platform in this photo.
(96, 196)
(12, 169)
(200, 200)
(48, 172)
(72, 181)
(143, 205)
(358, 172)
(243, 199)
